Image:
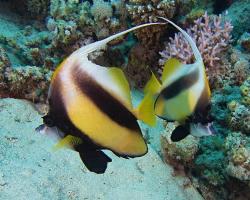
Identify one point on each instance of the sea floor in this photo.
(29, 169)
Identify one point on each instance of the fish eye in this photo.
(48, 121)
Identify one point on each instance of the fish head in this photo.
(50, 130)
(200, 130)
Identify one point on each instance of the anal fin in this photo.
(95, 160)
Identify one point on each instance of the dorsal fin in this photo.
(102, 43)
(120, 80)
(153, 86)
(170, 67)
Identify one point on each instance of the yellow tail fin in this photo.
(145, 110)
(153, 86)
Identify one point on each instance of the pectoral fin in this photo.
(145, 110)
(68, 142)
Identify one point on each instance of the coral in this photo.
(239, 118)
(148, 11)
(211, 160)
(238, 14)
(38, 8)
(193, 15)
(143, 11)
(34, 9)
(101, 10)
(212, 37)
(178, 153)
(4, 63)
(245, 87)
(137, 69)
(244, 41)
(234, 69)
(238, 150)
(28, 82)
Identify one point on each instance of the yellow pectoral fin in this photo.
(68, 142)
(153, 86)
(170, 67)
(145, 110)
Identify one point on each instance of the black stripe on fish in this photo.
(203, 101)
(91, 155)
(108, 104)
(60, 117)
(180, 84)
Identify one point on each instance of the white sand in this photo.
(29, 170)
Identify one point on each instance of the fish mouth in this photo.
(211, 129)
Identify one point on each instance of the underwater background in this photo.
(37, 35)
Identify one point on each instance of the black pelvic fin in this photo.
(95, 160)
(179, 133)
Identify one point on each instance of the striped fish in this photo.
(183, 95)
(91, 109)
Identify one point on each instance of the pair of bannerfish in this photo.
(90, 106)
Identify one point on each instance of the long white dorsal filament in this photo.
(102, 43)
(191, 42)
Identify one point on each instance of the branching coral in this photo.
(212, 38)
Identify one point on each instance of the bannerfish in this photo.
(90, 109)
(183, 95)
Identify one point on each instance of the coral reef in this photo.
(34, 9)
(224, 159)
(4, 63)
(142, 11)
(212, 37)
(179, 153)
(27, 82)
(244, 41)
(238, 14)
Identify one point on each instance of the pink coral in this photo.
(212, 37)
